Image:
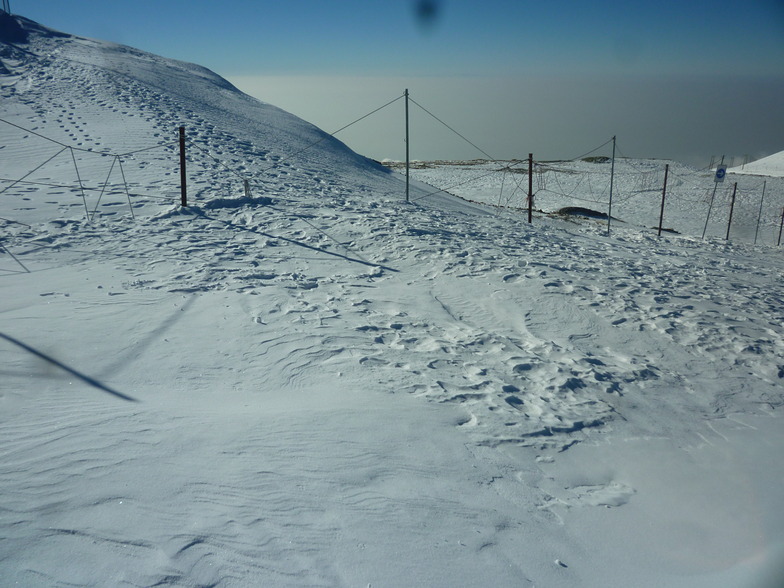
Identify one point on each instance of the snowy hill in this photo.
(131, 99)
(319, 384)
(772, 165)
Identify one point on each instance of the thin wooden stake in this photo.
(781, 226)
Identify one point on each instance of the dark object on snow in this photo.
(580, 211)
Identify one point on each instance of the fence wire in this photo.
(584, 179)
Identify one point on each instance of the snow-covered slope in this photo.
(319, 384)
(100, 96)
(772, 165)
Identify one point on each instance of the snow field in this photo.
(335, 388)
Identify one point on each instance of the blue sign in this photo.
(721, 171)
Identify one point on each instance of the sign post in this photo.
(721, 171)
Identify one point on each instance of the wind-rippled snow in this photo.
(335, 388)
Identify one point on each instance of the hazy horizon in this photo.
(685, 81)
(558, 117)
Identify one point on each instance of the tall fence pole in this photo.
(407, 150)
(664, 192)
(781, 226)
(183, 186)
(530, 187)
(732, 207)
(759, 216)
(612, 175)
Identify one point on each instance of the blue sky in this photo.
(331, 61)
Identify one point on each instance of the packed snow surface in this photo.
(312, 382)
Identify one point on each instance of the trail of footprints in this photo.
(510, 391)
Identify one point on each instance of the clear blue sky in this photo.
(607, 60)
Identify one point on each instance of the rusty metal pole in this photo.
(612, 176)
(183, 187)
(664, 192)
(530, 187)
(407, 150)
(732, 207)
(759, 215)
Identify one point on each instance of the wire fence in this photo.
(749, 208)
(63, 177)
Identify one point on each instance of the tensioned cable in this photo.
(628, 161)
(34, 133)
(323, 232)
(326, 136)
(61, 186)
(455, 132)
(592, 150)
(280, 161)
(295, 154)
(82, 149)
(453, 186)
(15, 182)
(88, 189)
(216, 160)
(505, 169)
(158, 146)
(561, 188)
(475, 146)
